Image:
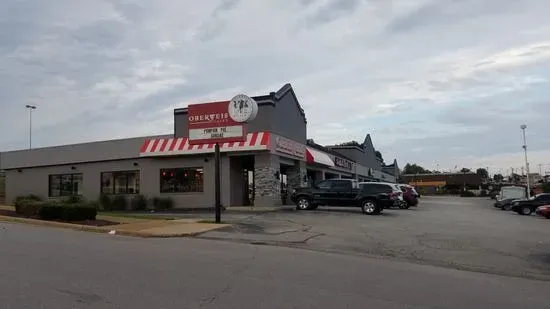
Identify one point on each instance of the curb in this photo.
(71, 226)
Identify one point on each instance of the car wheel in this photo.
(303, 203)
(370, 207)
(507, 207)
(526, 211)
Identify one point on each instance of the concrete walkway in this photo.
(126, 226)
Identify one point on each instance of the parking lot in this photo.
(461, 233)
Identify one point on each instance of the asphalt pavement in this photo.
(453, 232)
(55, 268)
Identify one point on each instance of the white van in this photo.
(512, 192)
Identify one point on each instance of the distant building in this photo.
(431, 183)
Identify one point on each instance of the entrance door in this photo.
(249, 180)
(241, 181)
(248, 192)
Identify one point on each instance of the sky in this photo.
(440, 83)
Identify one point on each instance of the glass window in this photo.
(324, 184)
(120, 182)
(181, 180)
(341, 185)
(55, 185)
(65, 185)
(107, 183)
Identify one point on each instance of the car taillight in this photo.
(395, 195)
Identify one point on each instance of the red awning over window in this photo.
(316, 156)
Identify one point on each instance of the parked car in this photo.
(388, 194)
(409, 194)
(543, 211)
(493, 194)
(507, 195)
(371, 197)
(528, 206)
(399, 201)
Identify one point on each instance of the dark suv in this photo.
(528, 206)
(371, 197)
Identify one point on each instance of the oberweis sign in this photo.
(211, 123)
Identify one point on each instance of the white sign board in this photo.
(216, 133)
(290, 147)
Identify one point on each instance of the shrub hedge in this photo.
(68, 209)
(67, 212)
(105, 202)
(138, 202)
(163, 203)
(119, 202)
(467, 194)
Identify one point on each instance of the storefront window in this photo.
(123, 182)
(65, 185)
(181, 180)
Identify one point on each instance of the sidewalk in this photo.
(128, 226)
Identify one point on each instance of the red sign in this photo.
(210, 123)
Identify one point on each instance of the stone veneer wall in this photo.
(296, 175)
(267, 186)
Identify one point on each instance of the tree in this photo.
(414, 169)
(465, 170)
(351, 143)
(514, 177)
(482, 173)
(498, 177)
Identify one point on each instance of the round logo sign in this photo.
(243, 108)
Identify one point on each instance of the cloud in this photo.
(432, 80)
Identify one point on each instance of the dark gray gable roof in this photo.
(271, 98)
(368, 143)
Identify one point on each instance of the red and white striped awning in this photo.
(180, 146)
(316, 156)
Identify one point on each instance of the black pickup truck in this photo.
(344, 193)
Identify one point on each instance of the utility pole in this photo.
(523, 127)
(30, 108)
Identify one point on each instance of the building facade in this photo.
(275, 155)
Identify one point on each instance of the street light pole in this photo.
(30, 108)
(523, 127)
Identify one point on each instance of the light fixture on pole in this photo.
(30, 108)
(523, 127)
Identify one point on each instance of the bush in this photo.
(94, 204)
(483, 193)
(29, 208)
(467, 194)
(119, 203)
(74, 199)
(454, 191)
(156, 202)
(546, 187)
(67, 213)
(138, 202)
(105, 202)
(25, 199)
(163, 203)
